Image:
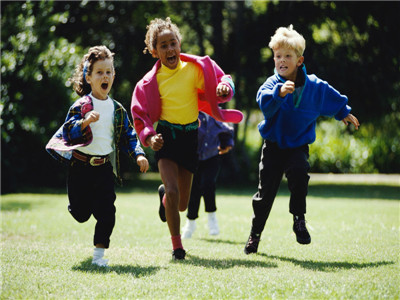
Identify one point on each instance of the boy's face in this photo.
(101, 79)
(287, 62)
(168, 49)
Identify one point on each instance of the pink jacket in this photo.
(146, 102)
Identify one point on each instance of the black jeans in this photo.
(91, 191)
(204, 185)
(274, 163)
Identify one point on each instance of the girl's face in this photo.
(287, 62)
(101, 78)
(168, 49)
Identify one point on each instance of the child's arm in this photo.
(223, 90)
(128, 141)
(352, 119)
(269, 99)
(143, 163)
(224, 150)
(334, 103)
(156, 141)
(225, 136)
(75, 129)
(90, 117)
(140, 114)
(287, 88)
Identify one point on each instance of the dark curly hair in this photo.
(94, 54)
(154, 28)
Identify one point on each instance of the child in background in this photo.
(215, 139)
(291, 101)
(172, 93)
(96, 129)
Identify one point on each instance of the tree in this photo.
(352, 45)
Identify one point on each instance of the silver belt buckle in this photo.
(93, 163)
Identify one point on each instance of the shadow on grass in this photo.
(346, 191)
(15, 205)
(328, 266)
(136, 271)
(221, 263)
(355, 191)
(220, 241)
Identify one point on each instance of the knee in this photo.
(172, 195)
(171, 191)
(298, 179)
(183, 205)
(298, 174)
(79, 216)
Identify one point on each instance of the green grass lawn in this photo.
(354, 252)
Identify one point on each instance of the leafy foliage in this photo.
(349, 44)
(344, 150)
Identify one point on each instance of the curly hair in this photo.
(289, 38)
(155, 27)
(94, 54)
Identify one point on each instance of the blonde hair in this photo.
(155, 27)
(85, 68)
(287, 37)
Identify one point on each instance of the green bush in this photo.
(374, 148)
(371, 149)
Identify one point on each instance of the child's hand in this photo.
(156, 141)
(287, 88)
(143, 163)
(90, 117)
(222, 90)
(224, 150)
(352, 119)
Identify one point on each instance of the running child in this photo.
(89, 142)
(291, 101)
(172, 93)
(215, 139)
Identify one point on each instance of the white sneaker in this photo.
(100, 262)
(188, 229)
(213, 224)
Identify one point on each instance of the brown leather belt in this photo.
(90, 159)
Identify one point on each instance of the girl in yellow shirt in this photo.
(170, 94)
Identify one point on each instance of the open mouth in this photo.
(104, 86)
(171, 60)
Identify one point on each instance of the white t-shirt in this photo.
(102, 130)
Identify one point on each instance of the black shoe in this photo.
(252, 244)
(178, 254)
(161, 210)
(299, 228)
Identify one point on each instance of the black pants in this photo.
(274, 163)
(204, 185)
(91, 191)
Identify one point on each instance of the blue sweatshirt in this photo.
(290, 121)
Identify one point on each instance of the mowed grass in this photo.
(354, 252)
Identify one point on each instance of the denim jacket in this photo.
(71, 136)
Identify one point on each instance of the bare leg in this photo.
(175, 182)
(185, 178)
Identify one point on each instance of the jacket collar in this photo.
(302, 69)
